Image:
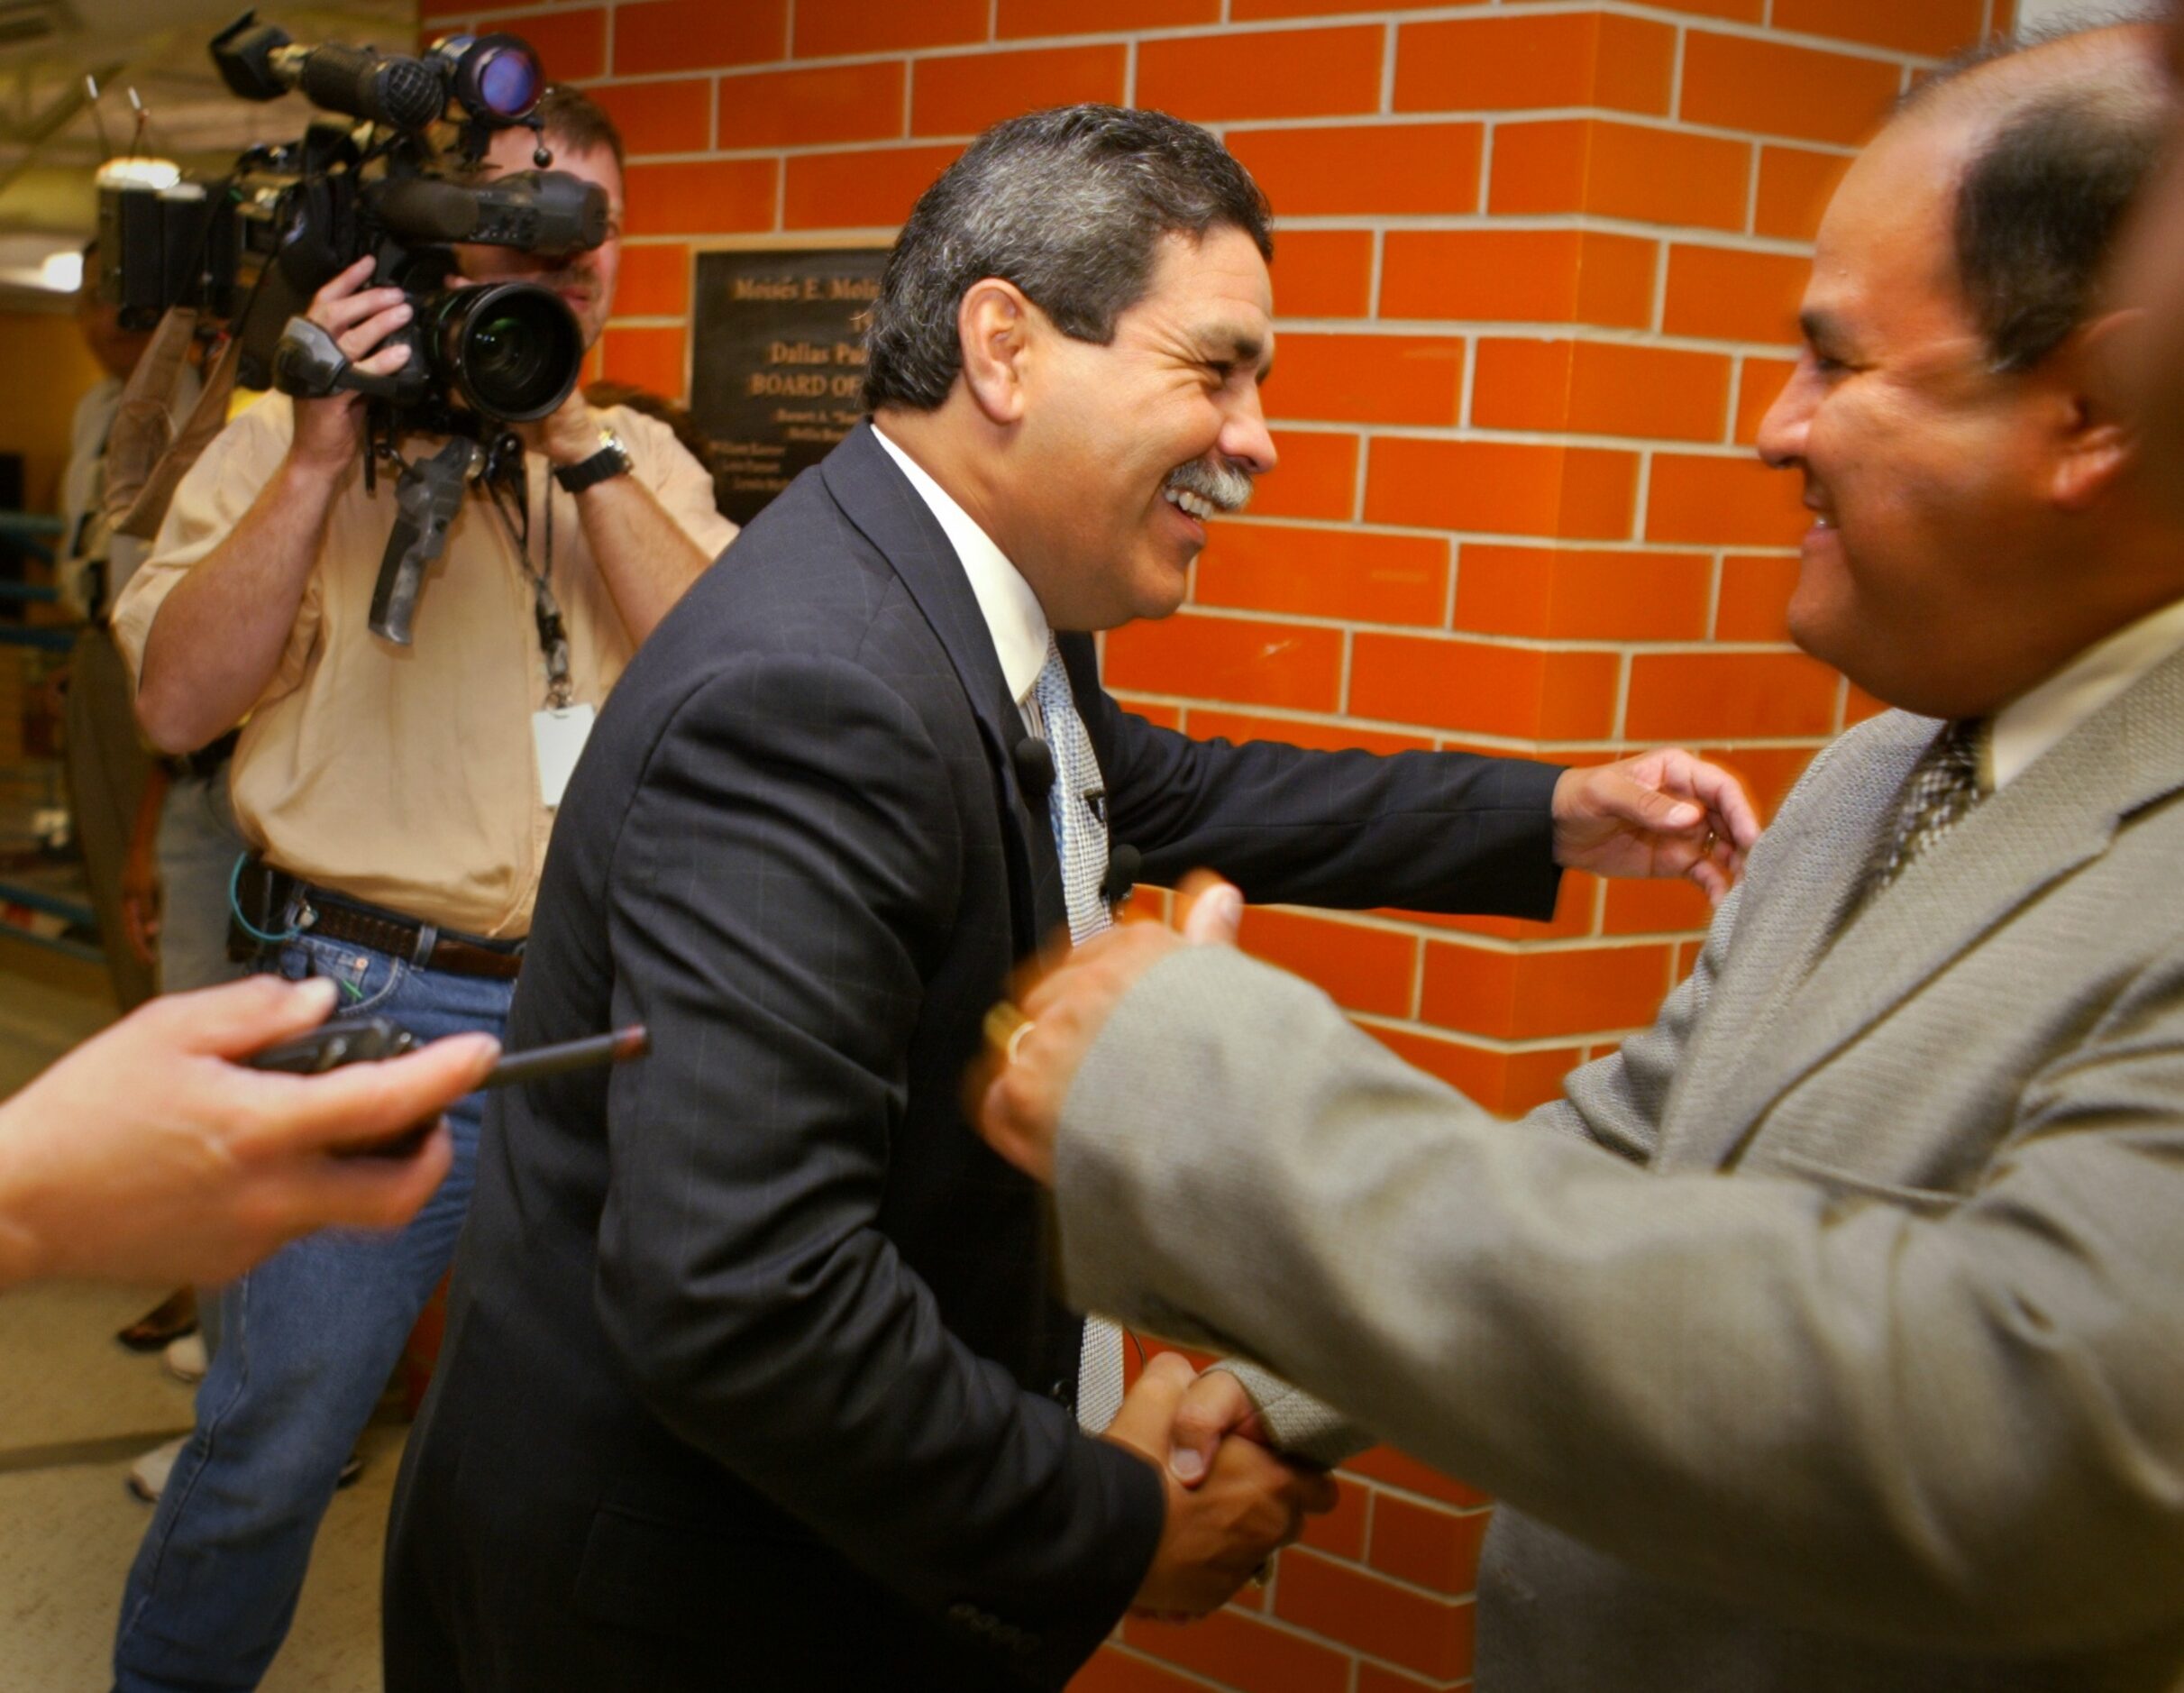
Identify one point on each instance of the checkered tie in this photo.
(1944, 786)
(1076, 807)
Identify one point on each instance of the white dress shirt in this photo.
(1014, 615)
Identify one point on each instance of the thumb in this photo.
(1648, 807)
(1213, 910)
(240, 1018)
(1148, 1409)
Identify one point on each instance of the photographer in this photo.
(399, 798)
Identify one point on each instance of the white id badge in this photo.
(560, 736)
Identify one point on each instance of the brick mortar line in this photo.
(1115, 1643)
(1550, 748)
(1302, 123)
(1838, 46)
(1493, 1046)
(1547, 440)
(1393, 1580)
(1298, 1631)
(1498, 639)
(1500, 946)
(1466, 329)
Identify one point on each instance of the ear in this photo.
(2100, 435)
(995, 325)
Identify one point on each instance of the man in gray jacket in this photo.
(1831, 1335)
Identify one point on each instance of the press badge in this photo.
(560, 736)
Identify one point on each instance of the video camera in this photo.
(373, 182)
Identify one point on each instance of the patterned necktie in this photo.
(1079, 841)
(1944, 787)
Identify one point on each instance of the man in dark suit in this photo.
(752, 1378)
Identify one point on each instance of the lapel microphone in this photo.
(1123, 865)
(1034, 761)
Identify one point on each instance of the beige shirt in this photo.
(2040, 716)
(408, 776)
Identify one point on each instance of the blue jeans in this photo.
(307, 1342)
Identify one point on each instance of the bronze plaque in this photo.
(777, 361)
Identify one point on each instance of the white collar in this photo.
(2037, 718)
(1014, 615)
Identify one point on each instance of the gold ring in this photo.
(1005, 1028)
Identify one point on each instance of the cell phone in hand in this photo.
(368, 1040)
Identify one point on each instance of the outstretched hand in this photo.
(152, 1154)
(1663, 813)
(1016, 1089)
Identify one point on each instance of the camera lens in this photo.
(511, 350)
(507, 82)
(495, 77)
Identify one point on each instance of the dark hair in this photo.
(2043, 199)
(579, 122)
(2038, 212)
(1069, 205)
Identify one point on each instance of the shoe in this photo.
(185, 1358)
(148, 1475)
(169, 1319)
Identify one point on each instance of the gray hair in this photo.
(1068, 204)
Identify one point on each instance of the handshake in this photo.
(1231, 1503)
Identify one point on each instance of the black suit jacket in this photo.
(752, 1377)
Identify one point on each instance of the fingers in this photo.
(358, 344)
(1321, 1495)
(1208, 911)
(1215, 1408)
(1618, 795)
(339, 304)
(1008, 1117)
(361, 1192)
(360, 1103)
(239, 1018)
(1737, 820)
(141, 926)
(1148, 1409)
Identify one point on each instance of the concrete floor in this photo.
(76, 1410)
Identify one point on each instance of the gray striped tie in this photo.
(1076, 806)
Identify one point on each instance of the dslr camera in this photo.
(394, 176)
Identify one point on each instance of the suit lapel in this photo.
(2060, 814)
(878, 499)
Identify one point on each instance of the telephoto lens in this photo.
(511, 350)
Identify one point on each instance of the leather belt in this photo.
(205, 762)
(326, 915)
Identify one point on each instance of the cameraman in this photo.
(399, 798)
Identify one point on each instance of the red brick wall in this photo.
(1537, 275)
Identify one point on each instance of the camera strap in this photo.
(502, 468)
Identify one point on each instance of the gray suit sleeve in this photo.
(1853, 1411)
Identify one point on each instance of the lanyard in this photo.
(505, 464)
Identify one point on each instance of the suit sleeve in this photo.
(784, 877)
(1853, 1411)
(1424, 831)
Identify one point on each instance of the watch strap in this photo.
(610, 460)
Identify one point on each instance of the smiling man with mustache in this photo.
(753, 1375)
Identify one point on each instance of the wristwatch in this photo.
(610, 460)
